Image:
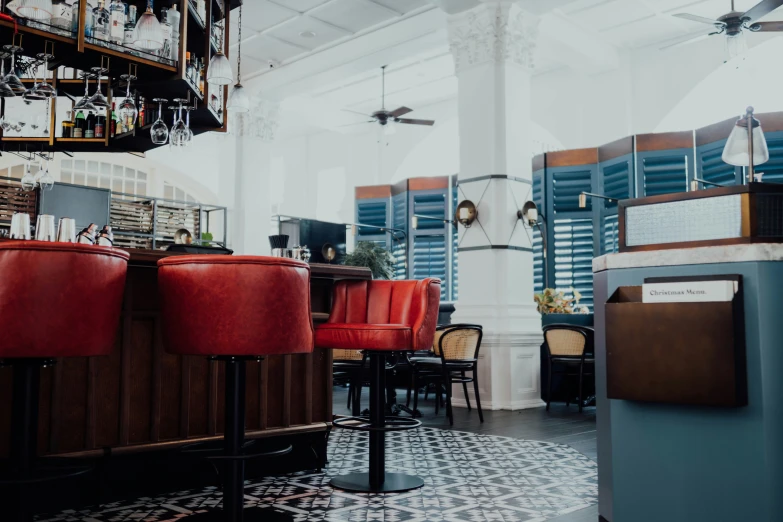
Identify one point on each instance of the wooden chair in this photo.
(455, 352)
(351, 364)
(568, 346)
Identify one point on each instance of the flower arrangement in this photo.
(552, 301)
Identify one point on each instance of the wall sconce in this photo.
(695, 183)
(530, 216)
(583, 198)
(746, 145)
(466, 213)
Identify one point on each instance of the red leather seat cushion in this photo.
(59, 299)
(351, 336)
(235, 305)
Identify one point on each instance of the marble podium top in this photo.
(691, 256)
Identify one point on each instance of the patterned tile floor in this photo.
(468, 478)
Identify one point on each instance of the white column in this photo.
(253, 134)
(493, 46)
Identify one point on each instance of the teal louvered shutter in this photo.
(713, 168)
(429, 259)
(454, 248)
(571, 242)
(663, 171)
(429, 256)
(615, 181)
(399, 241)
(374, 212)
(538, 245)
(773, 169)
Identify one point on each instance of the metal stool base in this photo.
(393, 483)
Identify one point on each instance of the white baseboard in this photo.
(489, 405)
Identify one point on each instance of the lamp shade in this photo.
(238, 100)
(40, 10)
(219, 72)
(149, 34)
(736, 150)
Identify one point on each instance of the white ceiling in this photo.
(337, 67)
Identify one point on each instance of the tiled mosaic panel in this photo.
(687, 220)
(468, 478)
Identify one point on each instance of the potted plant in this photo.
(372, 256)
(556, 307)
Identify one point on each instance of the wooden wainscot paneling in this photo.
(373, 192)
(664, 141)
(570, 158)
(433, 183)
(615, 149)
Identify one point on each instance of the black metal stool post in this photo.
(377, 480)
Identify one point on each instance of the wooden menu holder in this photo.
(676, 353)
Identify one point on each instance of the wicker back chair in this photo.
(348, 367)
(458, 343)
(347, 355)
(568, 346)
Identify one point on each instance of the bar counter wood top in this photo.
(141, 398)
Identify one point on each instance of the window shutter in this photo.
(430, 205)
(538, 245)
(454, 247)
(611, 239)
(372, 212)
(616, 182)
(663, 172)
(773, 169)
(429, 259)
(573, 253)
(566, 187)
(399, 242)
(712, 168)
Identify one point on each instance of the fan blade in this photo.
(399, 112)
(687, 39)
(414, 122)
(761, 9)
(766, 27)
(701, 19)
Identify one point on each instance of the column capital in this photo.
(260, 123)
(493, 32)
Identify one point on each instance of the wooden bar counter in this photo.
(140, 398)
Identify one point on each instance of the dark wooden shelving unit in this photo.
(154, 78)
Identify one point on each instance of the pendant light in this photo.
(38, 10)
(149, 34)
(238, 101)
(219, 71)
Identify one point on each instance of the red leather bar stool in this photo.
(380, 317)
(235, 309)
(56, 300)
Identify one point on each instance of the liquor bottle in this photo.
(68, 125)
(142, 112)
(117, 19)
(101, 21)
(89, 20)
(89, 130)
(168, 34)
(201, 77)
(100, 125)
(114, 120)
(174, 19)
(188, 68)
(130, 27)
(79, 125)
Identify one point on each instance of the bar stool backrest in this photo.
(565, 342)
(347, 355)
(459, 342)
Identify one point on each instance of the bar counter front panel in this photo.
(141, 398)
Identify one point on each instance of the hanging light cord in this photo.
(239, 51)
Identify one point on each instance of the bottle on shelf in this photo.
(130, 27)
(68, 125)
(88, 19)
(174, 19)
(117, 21)
(80, 125)
(101, 21)
(168, 34)
(113, 126)
(188, 67)
(201, 77)
(100, 125)
(89, 130)
(142, 112)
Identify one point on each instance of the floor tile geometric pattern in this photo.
(468, 477)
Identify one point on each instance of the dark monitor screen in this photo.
(84, 204)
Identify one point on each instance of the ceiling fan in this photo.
(385, 117)
(735, 23)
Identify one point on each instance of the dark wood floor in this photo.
(563, 425)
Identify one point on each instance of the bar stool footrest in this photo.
(364, 424)
(215, 451)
